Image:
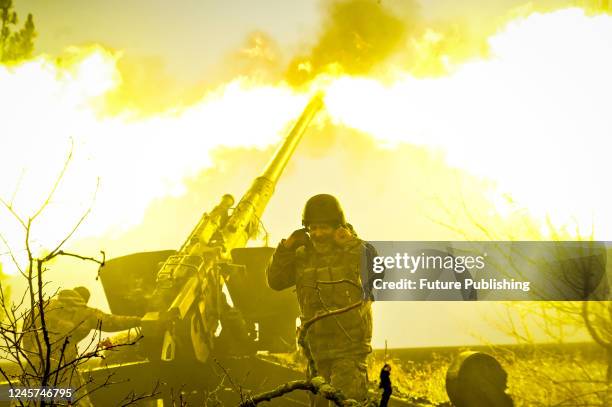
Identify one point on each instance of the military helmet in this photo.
(83, 292)
(323, 208)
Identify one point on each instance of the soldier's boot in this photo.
(324, 370)
(351, 376)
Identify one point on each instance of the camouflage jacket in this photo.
(68, 317)
(324, 282)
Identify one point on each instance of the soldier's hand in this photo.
(344, 236)
(105, 344)
(297, 239)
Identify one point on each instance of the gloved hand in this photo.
(343, 236)
(298, 238)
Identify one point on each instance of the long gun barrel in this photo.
(188, 293)
(251, 206)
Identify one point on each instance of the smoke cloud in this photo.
(355, 37)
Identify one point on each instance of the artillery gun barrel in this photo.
(251, 206)
(188, 286)
(285, 151)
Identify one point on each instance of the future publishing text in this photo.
(411, 263)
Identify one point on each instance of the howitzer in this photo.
(185, 306)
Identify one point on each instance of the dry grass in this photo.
(538, 376)
(416, 381)
(547, 379)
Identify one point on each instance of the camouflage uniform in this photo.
(339, 344)
(68, 317)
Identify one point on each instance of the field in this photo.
(538, 375)
(544, 375)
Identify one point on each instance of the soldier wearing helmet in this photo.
(326, 262)
(69, 316)
(68, 320)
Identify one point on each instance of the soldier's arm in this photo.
(371, 253)
(281, 270)
(114, 323)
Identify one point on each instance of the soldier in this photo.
(325, 261)
(385, 384)
(68, 320)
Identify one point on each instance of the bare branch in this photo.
(58, 180)
(316, 384)
(76, 226)
(11, 253)
(78, 256)
(591, 329)
(12, 212)
(134, 398)
(279, 392)
(237, 389)
(305, 326)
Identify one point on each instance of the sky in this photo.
(388, 192)
(192, 37)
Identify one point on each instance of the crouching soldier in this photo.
(68, 320)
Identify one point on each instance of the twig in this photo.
(58, 179)
(315, 384)
(237, 389)
(305, 326)
(86, 258)
(135, 398)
